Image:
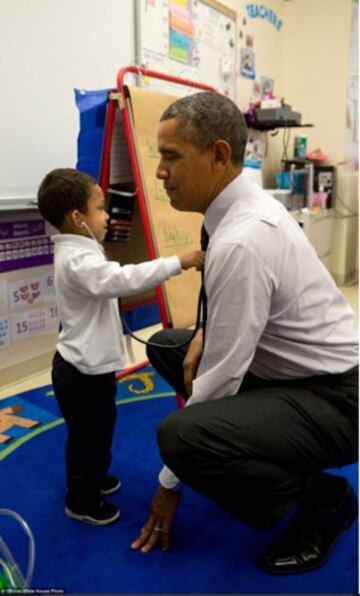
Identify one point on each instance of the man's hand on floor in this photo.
(157, 529)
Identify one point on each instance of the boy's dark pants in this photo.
(87, 403)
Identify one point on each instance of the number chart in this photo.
(23, 245)
(27, 308)
(29, 321)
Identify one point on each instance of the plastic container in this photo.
(319, 199)
(11, 576)
(283, 181)
(300, 147)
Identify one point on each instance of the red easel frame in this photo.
(122, 104)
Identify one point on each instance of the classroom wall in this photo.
(30, 342)
(309, 62)
(48, 48)
(317, 38)
(316, 67)
(269, 47)
(307, 58)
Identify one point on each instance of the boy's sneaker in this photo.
(110, 485)
(101, 514)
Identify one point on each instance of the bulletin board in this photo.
(191, 39)
(174, 232)
(28, 312)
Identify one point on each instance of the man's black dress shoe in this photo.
(311, 536)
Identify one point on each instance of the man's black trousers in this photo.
(259, 452)
(87, 403)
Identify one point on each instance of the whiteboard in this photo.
(48, 48)
(192, 39)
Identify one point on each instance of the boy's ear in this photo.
(76, 218)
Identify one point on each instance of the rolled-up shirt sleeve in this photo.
(96, 277)
(168, 479)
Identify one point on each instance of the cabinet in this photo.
(318, 228)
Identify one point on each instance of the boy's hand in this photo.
(193, 259)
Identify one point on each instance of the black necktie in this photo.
(204, 238)
(204, 241)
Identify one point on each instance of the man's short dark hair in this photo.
(61, 191)
(208, 117)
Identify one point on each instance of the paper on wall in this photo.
(4, 332)
(34, 322)
(30, 290)
(3, 297)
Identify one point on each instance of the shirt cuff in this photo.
(173, 265)
(168, 480)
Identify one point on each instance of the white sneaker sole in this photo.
(112, 490)
(91, 520)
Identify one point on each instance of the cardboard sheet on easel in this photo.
(174, 232)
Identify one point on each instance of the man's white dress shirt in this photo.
(273, 308)
(87, 287)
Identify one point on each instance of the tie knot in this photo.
(204, 238)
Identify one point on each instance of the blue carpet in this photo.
(212, 552)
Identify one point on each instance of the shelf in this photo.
(303, 216)
(26, 204)
(275, 125)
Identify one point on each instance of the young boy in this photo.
(90, 348)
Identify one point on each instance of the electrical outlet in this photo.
(325, 179)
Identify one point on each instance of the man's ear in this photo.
(222, 152)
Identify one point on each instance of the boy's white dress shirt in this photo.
(87, 287)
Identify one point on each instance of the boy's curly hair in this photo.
(61, 191)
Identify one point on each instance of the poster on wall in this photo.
(352, 100)
(24, 292)
(3, 297)
(154, 26)
(24, 244)
(27, 308)
(247, 63)
(31, 290)
(33, 322)
(181, 32)
(4, 332)
(191, 39)
(266, 87)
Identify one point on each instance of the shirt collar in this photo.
(224, 201)
(78, 239)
